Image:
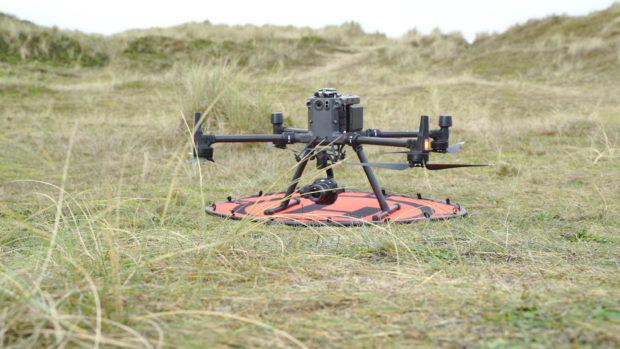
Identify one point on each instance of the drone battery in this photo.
(356, 118)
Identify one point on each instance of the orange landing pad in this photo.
(351, 208)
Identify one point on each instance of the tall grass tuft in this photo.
(226, 97)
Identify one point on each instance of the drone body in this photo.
(331, 115)
(336, 121)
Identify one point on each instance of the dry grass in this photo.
(104, 241)
(234, 104)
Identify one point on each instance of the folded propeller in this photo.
(453, 149)
(400, 167)
(418, 154)
(202, 150)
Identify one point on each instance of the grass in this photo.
(104, 241)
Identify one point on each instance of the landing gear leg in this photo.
(385, 210)
(288, 202)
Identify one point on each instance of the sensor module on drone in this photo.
(334, 122)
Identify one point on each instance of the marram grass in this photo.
(104, 241)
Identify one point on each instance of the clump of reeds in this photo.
(226, 97)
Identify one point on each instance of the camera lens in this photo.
(322, 194)
(317, 193)
(324, 191)
(318, 105)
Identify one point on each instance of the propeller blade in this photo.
(398, 167)
(446, 166)
(197, 137)
(280, 146)
(392, 152)
(198, 159)
(454, 148)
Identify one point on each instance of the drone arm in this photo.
(399, 134)
(357, 139)
(286, 138)
(295, 130)
(205, 151)
(440, 138)
(405, 134)
(391, 134)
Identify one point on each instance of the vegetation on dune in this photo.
(23, 42)
(104, 241)
(226, 96)
(567, 44)
(559, 42)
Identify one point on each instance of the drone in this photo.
(334, 122)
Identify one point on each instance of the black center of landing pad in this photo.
(351, 208)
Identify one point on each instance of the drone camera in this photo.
(331, 114)
(324, 191)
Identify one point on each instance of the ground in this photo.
(104, 241)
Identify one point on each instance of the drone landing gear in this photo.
(385, 209)
(287, 202)
(283, 205)
(359, 150)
